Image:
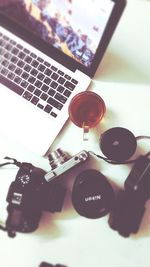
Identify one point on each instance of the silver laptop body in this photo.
(49, 51)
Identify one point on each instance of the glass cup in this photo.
(86, 110)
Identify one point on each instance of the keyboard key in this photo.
(20, 63)
(53, 114)
(11, 67)
(41, 67)
(74, 81)
(40, 106)
(5, 63)
(60, 88)
(54, 103)
(24, 84)
(5, 37)
(61, 72)
(26, 50)
(61, 80)
(14, 59)
(47, 80)
(2, 43)
(44, 88)
(31, 79)
(2, 51)
(37, 92)
(34, 100)
(35, 63)
(54, 76)
(38, 84)
(27, 95)
(67, 93)
(44, 96)
(18, 71)
(19, 46)
(40, 59)
(28, 59)
(61, 98)
(9, 47)
(12, 42)
(51, 92)
(21, 55)
(17, 79)
(54, 85)
(7, 55)
(14, 87)
(53, 68)
(34, 72)
(25, 75)
(14, 51)
(31, 88)
(69, 85)
(48, 72)
(27, 67)
(47, 108)
(11, 75)
(40, 76)
(47, 64)
(67, 77)
(4, 71)
(33, 55)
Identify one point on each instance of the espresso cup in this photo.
(86, 110)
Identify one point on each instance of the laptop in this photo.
(49, 51)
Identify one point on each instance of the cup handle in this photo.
(85, 132)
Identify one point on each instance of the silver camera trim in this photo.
(70, 163)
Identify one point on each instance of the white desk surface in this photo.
(123, 81)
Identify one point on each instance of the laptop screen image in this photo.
(75, 28)
(63, 25)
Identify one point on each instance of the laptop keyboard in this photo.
(33, 78)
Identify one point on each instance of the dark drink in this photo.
(86, 109)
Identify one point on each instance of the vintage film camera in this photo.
(61, 162)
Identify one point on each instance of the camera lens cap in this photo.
(118, 144)
(92, 195)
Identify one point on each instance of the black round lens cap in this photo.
(118, 144)
(92, 194)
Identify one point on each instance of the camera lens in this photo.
(92, 194)
(57, 158)
(118, 144)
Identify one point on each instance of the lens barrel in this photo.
(57, 158)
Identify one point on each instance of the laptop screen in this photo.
(73, 26)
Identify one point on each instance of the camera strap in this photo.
(13, 161)
(109, 160)
(18, 164)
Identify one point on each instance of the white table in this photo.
(123, 81)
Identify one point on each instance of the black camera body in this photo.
(129, 206)
(28, 196)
